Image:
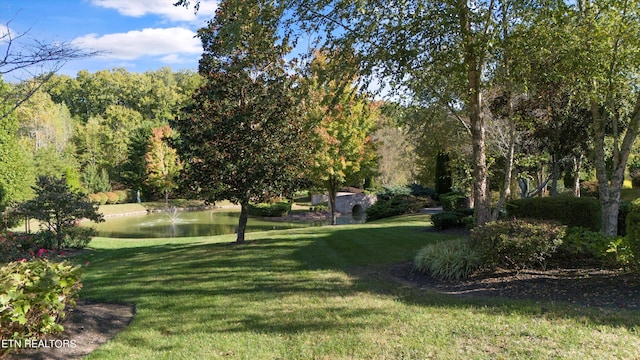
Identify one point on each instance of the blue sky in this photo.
(138, 35)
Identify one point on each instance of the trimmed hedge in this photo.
(270, 210)
(571, 211)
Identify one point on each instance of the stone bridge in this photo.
(346, 202)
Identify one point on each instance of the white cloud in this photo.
(163, 8)
(170, 43)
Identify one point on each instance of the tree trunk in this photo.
(577, 164)
(609, 191)
(473, 63)
(166, 197)
(242, 223)
(333, 190)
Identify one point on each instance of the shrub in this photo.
(420, 191)
(583, 244)
(633, 228)
(102, 198)
(123, 196)
(517, 243)
(589, 189)
(34, 297)
(16, 246)
(450, 219)
(270, 210)
(94, 198)
(390, 192)
(454, 259)
(397, 205)
(567, 210)
(112, 197)
(453, 201)
(78, 237)
(319, 207)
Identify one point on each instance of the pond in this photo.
(196, 223)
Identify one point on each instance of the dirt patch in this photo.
(583, 287)
(86, 327)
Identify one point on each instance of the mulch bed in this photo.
(583, 287)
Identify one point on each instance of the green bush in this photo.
(420, 191)
(517, 244)
(454, 259)
(580, 244)
(78, 237)
(623, 211)
(633, 228)
(389, 192)
(319, 207)
(453, 201)
(270, 210)
(397, 205)
(450, 219)
(123, 196)
(571, 211)
(34, 296)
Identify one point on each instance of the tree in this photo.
(243, 138)
(16, 171)
(344, 122)
(163, 164)
(436, 52)
(38, 59)
(58, 207)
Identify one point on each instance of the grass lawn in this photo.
(324, 293)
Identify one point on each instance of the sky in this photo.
(138, 35)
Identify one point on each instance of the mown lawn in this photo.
(324, 293)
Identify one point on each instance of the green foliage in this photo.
(389, 192)
(634, 171)
(453, 201)
(620, 252)
(421, 191)
(243, 135)
(633, 229)
(34, 296)
(580, 244)
(448, 260)
(319, 207)
(623, 212)
(517, 244)
(396, 205)
(571, 211)
(443, 174)
(277, 209)
(449, 219)
(58, 207)
(78, 237)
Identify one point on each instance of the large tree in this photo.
(243, 136)
(345, 121)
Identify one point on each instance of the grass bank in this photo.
(324, 293)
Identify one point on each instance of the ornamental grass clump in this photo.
(448, 260)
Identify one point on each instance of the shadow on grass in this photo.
(282, 282)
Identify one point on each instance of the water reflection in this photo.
(196, 223)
